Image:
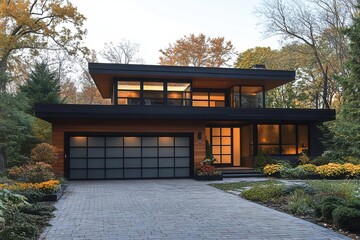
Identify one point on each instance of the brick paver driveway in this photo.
(169, 209)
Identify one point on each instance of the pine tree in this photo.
(346, 140)
(42, 86)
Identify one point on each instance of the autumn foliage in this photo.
(44, 152)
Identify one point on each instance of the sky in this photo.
(156, 23)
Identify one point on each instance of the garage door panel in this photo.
(114, 152)
(132, 173)
(132, 163)
(128, 157)
(96, 152)
(114, 162)
(96, 173)
(96, 163)
(149, 162)
(114, 174)
(149, 173)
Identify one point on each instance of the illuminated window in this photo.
(208, 99)
(178, 94)
(153, 93)
(129, 93)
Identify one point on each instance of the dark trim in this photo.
(67, 136)
(51, 112)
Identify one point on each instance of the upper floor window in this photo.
(178, 94)
(129, 92)
(208, 99)
(153, 93)
(247, 97)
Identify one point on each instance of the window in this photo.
(247, 97)
(153, 93)
(129, 93)
(282, 139)
(208, 99)
(178, 94)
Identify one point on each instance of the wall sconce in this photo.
(199, 136)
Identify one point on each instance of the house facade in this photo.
(162, 116)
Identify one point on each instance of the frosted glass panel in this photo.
(225, 132)
(226, 150)
(166, 172)
(96, 174)
(132, 141)
(166, 141)
(132, 162)
(182, 162)
(77, 174)
(114, 163)
(114, 152)
(182, 152)
(216, 140)
(288, 135)
(78, 163)
(132, 152)
(132, 173)
(226, 141)
(96, 152)
(96, 163)
(149, 173)
(114, 173)
(149, 152)
(268, 134)
(114, 141)
(149, 141)
(166, 152)
(149, 162)
(166, 162)
(182, 172)
(96, 141)
(225, 158)
(182, 141)
(78, 152)
(78, 141)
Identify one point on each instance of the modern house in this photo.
(162, 116)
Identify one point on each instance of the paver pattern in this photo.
(169, 209)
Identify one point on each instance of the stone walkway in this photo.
(169, 209)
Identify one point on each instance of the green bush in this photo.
(300, 203)
(342, 189)
(19, 231)
(304, 187)
(261, 160)
(297, 173)
(325, 207)
(352, 160)
(347, 218)
(40, 209)
(32, 195)
(264, 193)
(321, 160)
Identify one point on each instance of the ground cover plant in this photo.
(332, 203)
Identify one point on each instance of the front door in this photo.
(225, 143)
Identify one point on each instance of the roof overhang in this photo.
(53, 112)
(104, 74)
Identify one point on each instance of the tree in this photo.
(318, 24)
(198, 51)
(36, 25)
(346, 139)
(124, 52)
(42, 86)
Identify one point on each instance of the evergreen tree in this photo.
(345, 142)
(42, 86)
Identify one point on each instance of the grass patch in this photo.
(239, 185)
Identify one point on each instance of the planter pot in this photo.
(53, 197)
(208, 178)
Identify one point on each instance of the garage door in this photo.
(128, 157)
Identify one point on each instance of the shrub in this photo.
(207, 170)
(38, 209)
(326, 206)
(32, 195)
(261, 160)
(271, 169)
(37, 172)
(320, 160)
(303, 159)
(343, 189)
(264, 193)
(304, 187)
(300, 202)
(44, 152)
(351, 170)
(330, 170)
(353, 160)
(19, 231)
(293, 173)
(347, 218)
(308, 167)
(50, 186)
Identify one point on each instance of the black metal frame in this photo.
(256, 142)
(68, 135)
(142, 80)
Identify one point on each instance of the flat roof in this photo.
(103, 75)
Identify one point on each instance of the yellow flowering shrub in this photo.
(330, 170)
(270, 169)
(351, 170)
(50, 186)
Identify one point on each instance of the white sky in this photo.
(156, 23)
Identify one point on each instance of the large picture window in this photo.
(247, 97)
(284, 139)
(208, 99)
